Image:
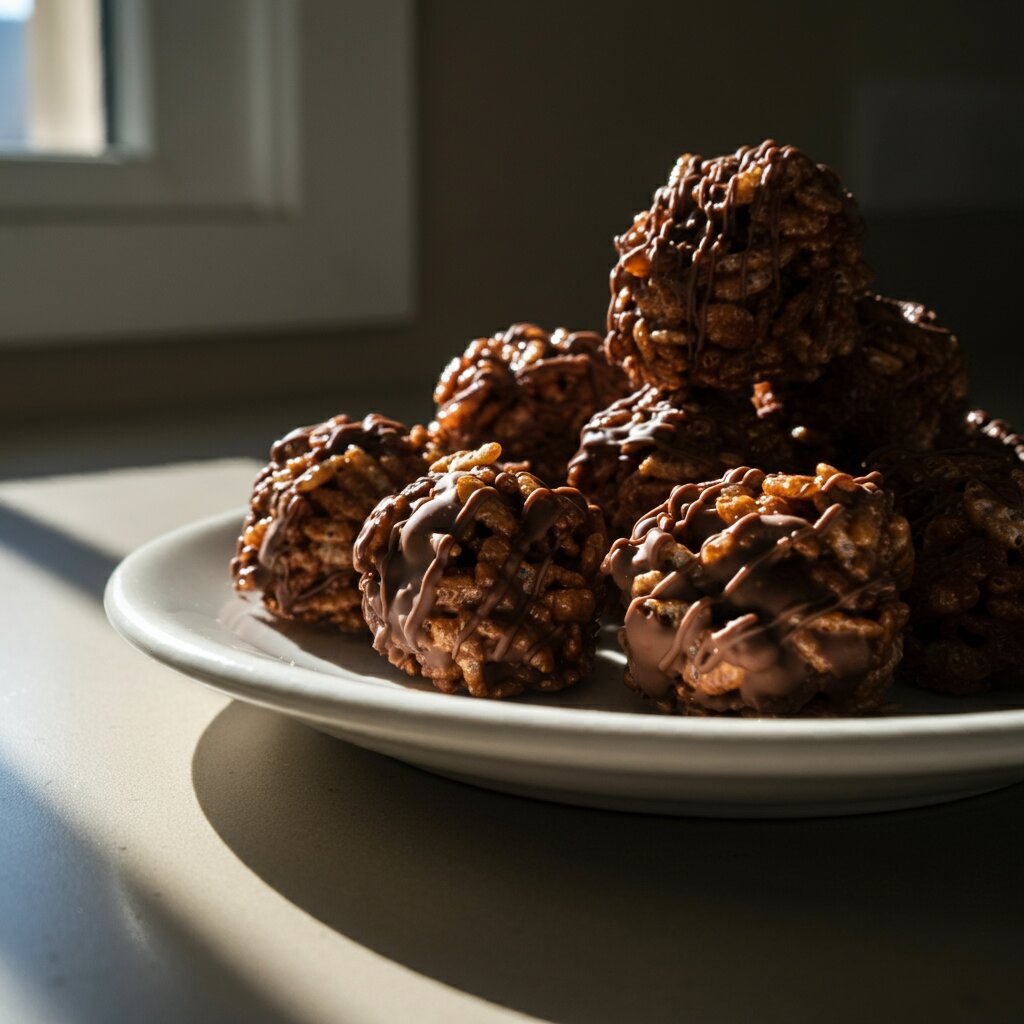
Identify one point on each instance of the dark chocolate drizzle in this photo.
(720, 233)
(526, 364)
(628, 427)
(619, 429)
(420, 549)
(693, 435)
(716, 200)
(744, 607)
(374, 434)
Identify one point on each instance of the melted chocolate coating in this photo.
(495, 589)
(760, 615)
(528, 390)
(905, 384)
(634, 452)
(744, 269)
(376, 435)
(966, 507)
(307, 506)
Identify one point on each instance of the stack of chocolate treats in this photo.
(797, 500)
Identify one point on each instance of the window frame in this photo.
(212, 213)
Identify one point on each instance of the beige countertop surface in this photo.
(167, 854)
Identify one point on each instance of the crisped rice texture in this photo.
(745, 268)
(634, 452)
(308, 504)
(761, 595)
(966, 507)
(904, 384)
(988, 433)
(484, 581)
(529, 391)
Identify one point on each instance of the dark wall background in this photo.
(544, 126)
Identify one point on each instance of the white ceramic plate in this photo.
(595, 745)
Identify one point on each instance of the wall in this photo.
(543, 127)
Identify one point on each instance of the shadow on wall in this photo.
(581, 915)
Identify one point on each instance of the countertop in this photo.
(167, 854)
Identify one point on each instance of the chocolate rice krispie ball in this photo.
(483, 580)
(745, 268)
(308, 504)
(634, 452)
(765, 595)
(966, 507)
(529, 391)
(905, 384)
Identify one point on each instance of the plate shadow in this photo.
(572, 914)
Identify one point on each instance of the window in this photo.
(53, 81)
(256, 173)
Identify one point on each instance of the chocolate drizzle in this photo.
(307, 506)
(429, 541)
(622, 430)
(648, 422)
(375, 434)
(748, 611)
(634, 452)
(528, 390)
(729, 246)
(702, 181)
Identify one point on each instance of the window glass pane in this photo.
(53, 82)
